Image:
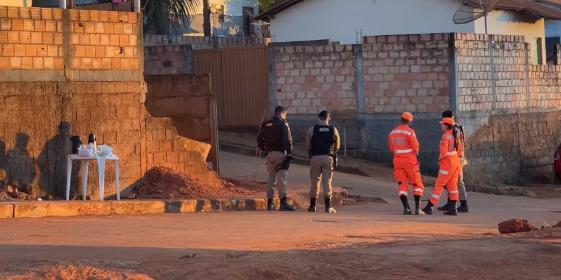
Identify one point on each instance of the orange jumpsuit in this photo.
(450, 168)
(405, 147)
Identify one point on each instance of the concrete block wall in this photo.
(510, 108)
(406, 73)
(78, 71)
(366, 86)
(200, 42)
(313, 77)
(169, 60)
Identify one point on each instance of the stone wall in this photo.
(71, 72)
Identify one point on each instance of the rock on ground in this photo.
(514, 226)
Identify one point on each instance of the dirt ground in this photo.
(367, 240)
(535, 255)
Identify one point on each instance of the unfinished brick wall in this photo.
(160, 60)
(189, 102)
(73, 72)
(315, 77)
(406, 73)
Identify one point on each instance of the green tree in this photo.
(268, 4)
(163, 14)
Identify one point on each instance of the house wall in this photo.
(511, 23)
(20, 3)
(324, 19)
(71, 72)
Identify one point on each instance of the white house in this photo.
(348, 21)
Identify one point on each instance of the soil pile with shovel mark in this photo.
(76, 272)
(166, 183)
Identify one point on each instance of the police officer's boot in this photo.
(406, 207)
(428, 209)
(445, 206)
(312, 207)
(284, 206)
(451, 209)
(270, 204)
(328, 208)
(463, 207)
(418, 210)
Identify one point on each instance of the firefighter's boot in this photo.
(428, 209)
(418, 210)
(452, 211)
(444, 207)
(463, 207)
(406, 207)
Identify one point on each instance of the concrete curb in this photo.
(36, 209)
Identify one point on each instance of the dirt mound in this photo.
(77, 272)
(166, 183)
(514, 226)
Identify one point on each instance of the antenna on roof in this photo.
(472, 10)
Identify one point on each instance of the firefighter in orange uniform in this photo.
(450, 167)
(405, 147)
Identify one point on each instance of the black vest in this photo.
(273, 134)
(323, 140)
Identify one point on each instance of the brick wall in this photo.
(72, 72)
(199, 42)
(366, 86)
(160, 60)
(510, 108)
(188, 101)
(406, 73)
(311, 78)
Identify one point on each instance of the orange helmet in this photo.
(407, 116)
(448, 121)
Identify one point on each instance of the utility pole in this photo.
(206, 18)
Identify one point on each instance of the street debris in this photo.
(165, 183)
(515, 226)
(70, 272)
(10, 191)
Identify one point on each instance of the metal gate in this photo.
(240, 80)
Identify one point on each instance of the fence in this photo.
(240, 80)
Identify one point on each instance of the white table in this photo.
(101, 169)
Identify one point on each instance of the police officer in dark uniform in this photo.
(323, 142)
(276, 140)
